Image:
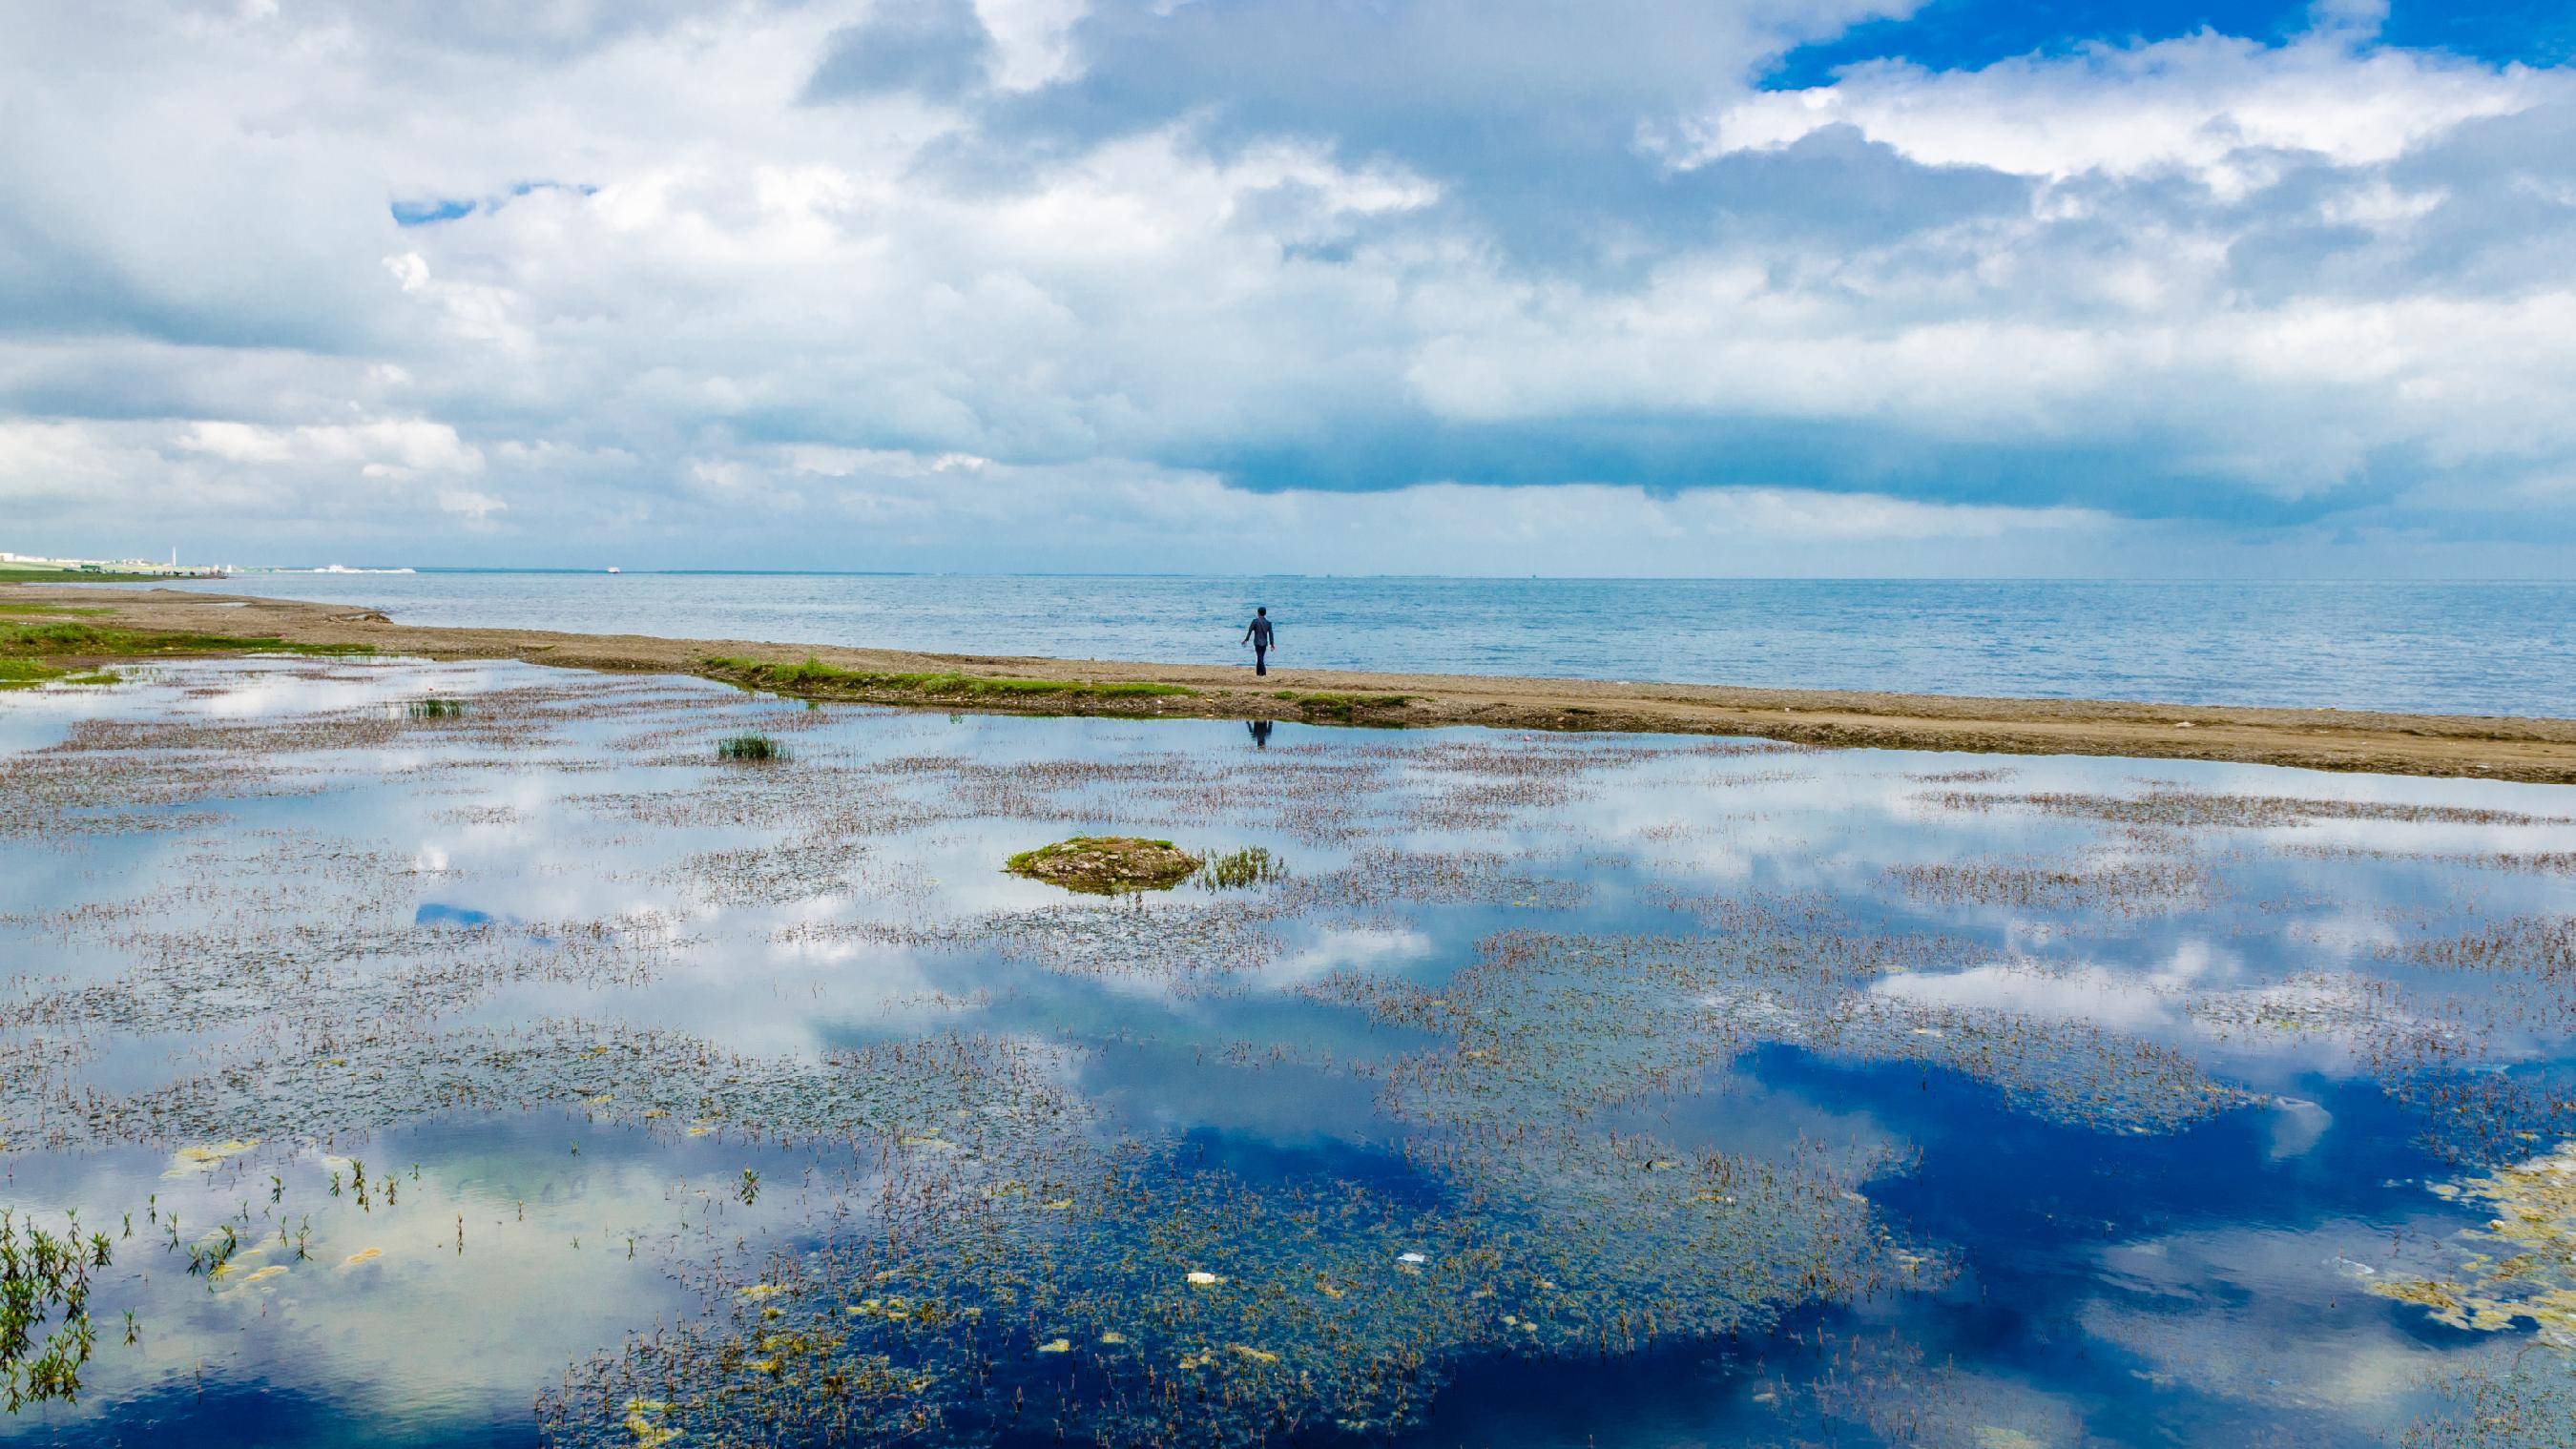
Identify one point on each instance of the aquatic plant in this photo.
(1241, 869)
(434, 708)
(2124, 886)
(1106, 864)
(750, 749)
(2495, 1401)
(45, 1289)
(2191, 809)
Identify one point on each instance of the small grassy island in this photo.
(1106, 865)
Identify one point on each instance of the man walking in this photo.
(1257, 634)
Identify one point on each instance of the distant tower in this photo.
(174, 555)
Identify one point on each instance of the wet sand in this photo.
(2482, 747)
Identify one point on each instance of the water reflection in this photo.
(1531, 1089)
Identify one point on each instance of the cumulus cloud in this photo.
(1301, 283)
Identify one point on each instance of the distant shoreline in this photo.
(2473, 747)
(9, 575)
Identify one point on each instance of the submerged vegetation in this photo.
(815, 677)
(1106, 864)
(2521, 1269)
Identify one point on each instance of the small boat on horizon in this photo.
(614, 569)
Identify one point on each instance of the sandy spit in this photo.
(2477, 747)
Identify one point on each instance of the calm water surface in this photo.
(2433, 648)
(527, 1074)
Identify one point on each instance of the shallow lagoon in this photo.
(529, 1073)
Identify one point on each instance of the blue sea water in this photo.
(2446, 648)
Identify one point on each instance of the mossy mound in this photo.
(1107, 864)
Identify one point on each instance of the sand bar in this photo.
(2481, 747)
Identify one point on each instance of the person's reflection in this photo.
(1260, 733)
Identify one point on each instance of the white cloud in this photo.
(1032, 40)
(395, 447)
(2200, 103)
(673, 301)
(474, 507)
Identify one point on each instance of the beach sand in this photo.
(2539, 750)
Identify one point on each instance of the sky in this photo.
(1834, 287)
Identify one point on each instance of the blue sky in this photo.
(1967, 34)
(1511, 286)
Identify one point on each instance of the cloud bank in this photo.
(1319, 285)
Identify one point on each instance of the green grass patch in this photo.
(749, 750)
(434, 708)
(60, 611)
(75, 576)
(814, 674)
(27, 673)
(74, 639)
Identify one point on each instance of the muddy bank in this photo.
(2541, 750)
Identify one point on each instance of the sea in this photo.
(2444, 648)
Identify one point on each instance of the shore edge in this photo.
(2473, 747)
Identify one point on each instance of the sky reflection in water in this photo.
(1915, 1099)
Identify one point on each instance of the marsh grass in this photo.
(813, 674)
(750, 749)
(27, 673)
(71, 639)
(435, 708)
(1241, 870)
